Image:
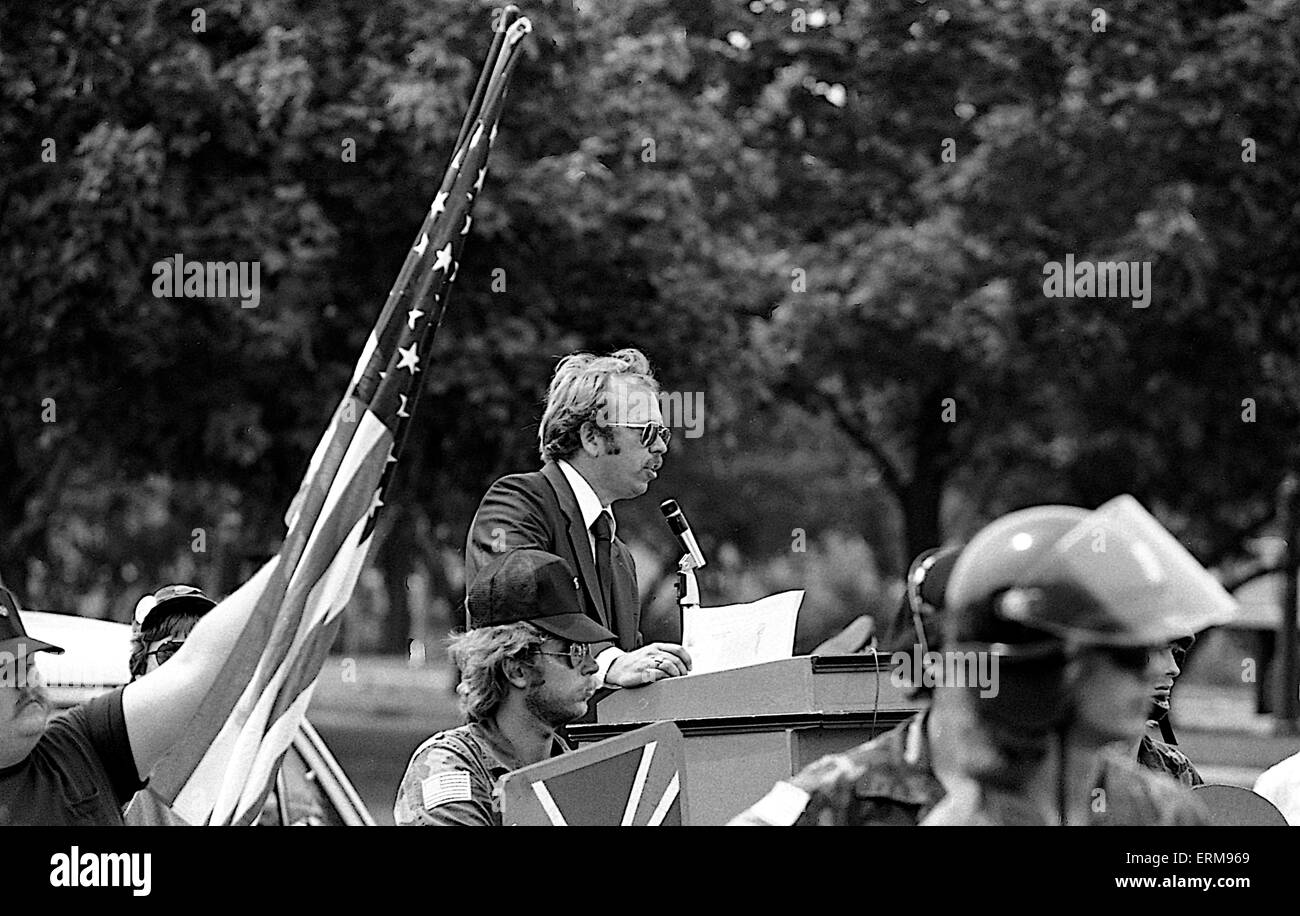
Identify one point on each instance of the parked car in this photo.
(311, 788)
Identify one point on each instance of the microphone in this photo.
(677, 522)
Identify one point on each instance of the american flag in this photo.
(441, 788)
(223, 769)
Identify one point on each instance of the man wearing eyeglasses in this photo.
(602, 439)
(526, 671)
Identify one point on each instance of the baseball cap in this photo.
(14, 641)
(534, 586)
(168, 600)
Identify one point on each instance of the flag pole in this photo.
(508, 17)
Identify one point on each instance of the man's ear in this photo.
(516, 671)
(592, 443)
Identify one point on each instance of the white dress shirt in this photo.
(590, 506)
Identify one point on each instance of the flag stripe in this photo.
(267, 763)
(345, 502)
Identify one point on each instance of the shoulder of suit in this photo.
(525, 479)
(531, 485)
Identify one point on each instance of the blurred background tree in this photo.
(828, 220)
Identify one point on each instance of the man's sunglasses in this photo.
(649, 431)
(577, 654)
(165, 649)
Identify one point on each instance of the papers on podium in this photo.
(720, 638)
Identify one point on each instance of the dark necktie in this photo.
(604, 560)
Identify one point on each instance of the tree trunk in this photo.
(920, 502)
(1287, 661)
(395, 561)
(921, 499)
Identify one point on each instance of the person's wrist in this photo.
(606, 660)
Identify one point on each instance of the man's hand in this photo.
(850, 640)
(648, 664)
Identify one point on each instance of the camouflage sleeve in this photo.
(821, 794)
(1176, 805)
(441, 788)
(1162, 757)
(781, 807)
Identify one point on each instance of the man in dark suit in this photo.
(602, 439)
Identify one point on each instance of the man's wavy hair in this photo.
(481, 654)
(579, 394)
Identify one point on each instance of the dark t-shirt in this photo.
(81, 772)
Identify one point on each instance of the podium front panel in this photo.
(747, 728)
(725, 769)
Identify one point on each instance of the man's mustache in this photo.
(33, 694)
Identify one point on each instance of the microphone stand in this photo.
(688, 589)
(1062, 774)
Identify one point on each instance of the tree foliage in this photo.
(829, 219)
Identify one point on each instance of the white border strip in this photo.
(548, 805)
(638, 784)
(661, 810)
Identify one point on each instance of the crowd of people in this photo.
(1085, 616)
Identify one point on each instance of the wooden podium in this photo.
(748, 727)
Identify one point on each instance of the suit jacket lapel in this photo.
(579, 542)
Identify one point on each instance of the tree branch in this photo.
(889, 471)
(756, 310)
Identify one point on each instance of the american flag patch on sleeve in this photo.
(444, 788)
